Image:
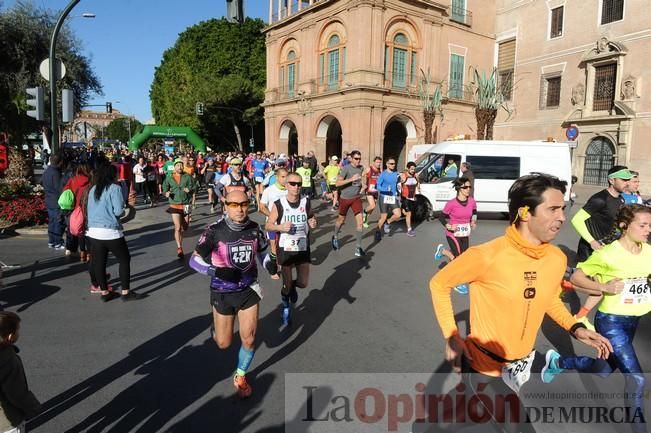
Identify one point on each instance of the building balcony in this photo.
(461, 16)
(280, 10)
(390, 82)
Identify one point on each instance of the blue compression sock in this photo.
(244, 358)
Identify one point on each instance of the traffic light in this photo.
(199, 108)
(67, 105)
(109, 107)
(36, 102)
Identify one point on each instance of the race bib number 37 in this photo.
(636, 291)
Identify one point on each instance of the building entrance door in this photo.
(599, 158)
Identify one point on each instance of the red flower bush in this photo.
(23, 210)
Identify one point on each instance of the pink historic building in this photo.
(344, 74)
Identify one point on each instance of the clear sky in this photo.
(126, 40)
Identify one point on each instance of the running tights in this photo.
(620, 331)
(99, 250)
(302, 276)
(458, 245)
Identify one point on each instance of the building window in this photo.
(611, 11)
(599, 157)
(330, 64)
(289, 74)
(495, 167)
(505, 68)
(401, 58)
(556, 29)
(550, 92)
(455, 89)
(604, 87)
(459, 12)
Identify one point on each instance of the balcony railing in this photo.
(405, 83)
(288, 8)
(461, 15)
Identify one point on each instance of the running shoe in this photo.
(243, 388)
(439, 252)
(293, 295)
(335, 243)
(131, 296)
(387, 228)
(364, 217)
(179, 253)
(359, 252)
(585, 321)
(109, 296)
(411, 233)
(59, 247)
(94, 289)
(462, 289)
(365, 224)
(286, 316)
(551, 369)
(378, 235)
(50, 245)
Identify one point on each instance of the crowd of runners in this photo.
(613, 270)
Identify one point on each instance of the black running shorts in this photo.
(229, 303)
(286, 258)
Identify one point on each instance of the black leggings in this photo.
(458, 245)
(99, 250)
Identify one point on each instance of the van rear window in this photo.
(495, 167)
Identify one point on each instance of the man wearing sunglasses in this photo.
(387, 186)
(235, 181)
(351, 183)
(270, 195)
(226, 251)
(292, 217)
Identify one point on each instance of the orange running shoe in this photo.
(244, 390)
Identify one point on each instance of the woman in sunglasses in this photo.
(459, 217)
(179, 188)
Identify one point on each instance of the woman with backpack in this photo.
(104, 208)
(78, 185)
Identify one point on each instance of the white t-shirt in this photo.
(271, 194)
(138, 171)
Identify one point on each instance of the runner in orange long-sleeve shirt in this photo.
(515, 281)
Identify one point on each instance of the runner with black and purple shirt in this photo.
(226, 251)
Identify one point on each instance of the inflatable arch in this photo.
(167, 131)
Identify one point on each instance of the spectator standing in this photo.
(466, 171)
(51, 181)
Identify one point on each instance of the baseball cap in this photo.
(334, 157)
(620, 172)
(235, 161)
(178, 161)
(282, 156)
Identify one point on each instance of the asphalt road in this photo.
(150, 365)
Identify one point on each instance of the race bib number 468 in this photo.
(636, 291)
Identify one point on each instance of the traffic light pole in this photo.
(54, 124)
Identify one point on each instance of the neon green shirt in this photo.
(614, 261)
(331, 172)
(306, 174)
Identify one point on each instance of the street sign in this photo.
(572, 132)
(60, 69)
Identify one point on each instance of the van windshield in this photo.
(425, 159)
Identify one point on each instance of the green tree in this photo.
(220, 64)
(119, 129)
(24, 44)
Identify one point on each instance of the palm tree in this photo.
(430, 96)
(489, 97)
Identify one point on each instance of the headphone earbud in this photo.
(524, 212)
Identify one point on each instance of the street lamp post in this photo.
(54, 124)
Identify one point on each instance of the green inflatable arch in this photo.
(167, 131)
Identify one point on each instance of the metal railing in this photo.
(286, 10)
(402, 82)
(460, 15)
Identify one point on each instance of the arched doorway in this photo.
(330, 129)
(396, 133)
(599, 157)
(289, 135)
(395, 138)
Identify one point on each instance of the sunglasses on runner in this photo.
(235, 165)
(357, 159)
(236, 204)
(465, 187)
(391, 163)
(294, 183)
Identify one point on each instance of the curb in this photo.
(30, 231)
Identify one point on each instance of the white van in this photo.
(495, 164)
